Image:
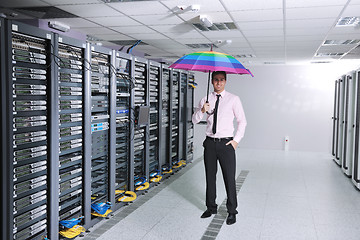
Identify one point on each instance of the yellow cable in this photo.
(169, 171)
(156, 178)
(129, 196)
(101, 215)
(143, 186)
(72, 232)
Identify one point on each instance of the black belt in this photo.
(219, 139)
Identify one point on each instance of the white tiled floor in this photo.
(286, 195)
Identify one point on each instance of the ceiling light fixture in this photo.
(348, 21)
(59, 26)
(205, 21)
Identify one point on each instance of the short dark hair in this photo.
(218, 72)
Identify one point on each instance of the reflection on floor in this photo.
(286, 195)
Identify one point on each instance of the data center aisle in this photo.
(285, 195)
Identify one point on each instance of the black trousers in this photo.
(214, 150)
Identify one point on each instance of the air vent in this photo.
(245, 56)
(45, 12)
(127, 42)
(216, 26)
(201, 45)
(341, 42)
(348, 21)
(329, 54)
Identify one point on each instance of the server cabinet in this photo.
(31, 148)
(124, 84)
(5, 211)
(182, 112)
(165, 143)
(70, 75)
(155, 117)
(100, 75)
(175, 115)
(341, 111)
(189, 139)
(141, 129)
(335, 120)
(356, 164)
(349, 138)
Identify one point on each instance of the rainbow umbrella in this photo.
(209, 61)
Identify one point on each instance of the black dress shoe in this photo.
(231, 219)
(208, 213)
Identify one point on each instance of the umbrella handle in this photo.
(208, 86)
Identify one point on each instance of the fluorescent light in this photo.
(59, 26)
(348, 21)
(205, 20)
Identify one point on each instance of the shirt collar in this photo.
(223, 93)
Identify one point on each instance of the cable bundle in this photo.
(71, 229)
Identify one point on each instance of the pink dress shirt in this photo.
(229, 107)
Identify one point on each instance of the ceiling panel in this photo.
(352, 11)
(260, 25)
(305, 38)
(115, 21)
(342, 36)
(205, 5)
(335, 49)
(90, 10)
(95, 30)
(22, 3)
(310, 23)
(346, 30)
(131, 29)
(69, 2)
(264, 33)
(215, 17)
(164, 19)
(235, 5)
(257, 15)
(222, 34)
(192, 34)
(313, 3)
(313, 12)
(145, 36)
(109, 37)
(307, 31)
(176, 28)
(140, 8)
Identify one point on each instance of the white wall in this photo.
(282, 100)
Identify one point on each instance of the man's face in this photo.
(219, 82)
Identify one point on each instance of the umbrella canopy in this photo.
(210, 61)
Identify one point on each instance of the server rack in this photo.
(165, 108)
(356, 165)
(100, 60)
(335, 120)
(5, 211)
(349, 124)
(67, 105)
(182, 114)
(70, 78)
(140, 132)
(28, 122)
(124, 84)
(188, 119)
(341, 122)
(154, 127)
(175, 115)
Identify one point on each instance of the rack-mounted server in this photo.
(68, 108)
